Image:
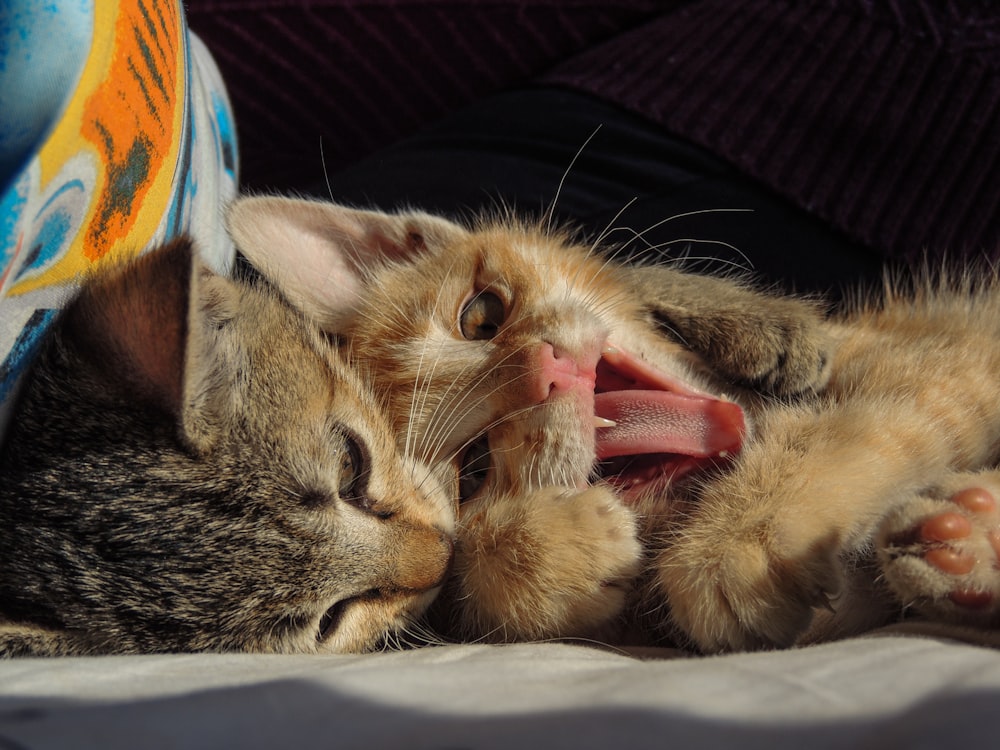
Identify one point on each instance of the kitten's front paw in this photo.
(776, 344)
(779, 347)
(553, 563)
(942, 556)
(732, 586)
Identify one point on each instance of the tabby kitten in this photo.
(603, 470)
(192, 467)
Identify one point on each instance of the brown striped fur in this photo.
(192, 467)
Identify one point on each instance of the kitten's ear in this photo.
(148, 326)
(132, 323)
(320, 254)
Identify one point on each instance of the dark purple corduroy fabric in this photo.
(880, 116)
(363, 73)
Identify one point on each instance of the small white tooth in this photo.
(602, 422)
(723, 454)
(609, 349)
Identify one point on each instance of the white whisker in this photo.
(548, 215)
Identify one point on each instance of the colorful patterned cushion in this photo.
(115, 134)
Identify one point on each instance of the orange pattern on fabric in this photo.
(123, 130)
(131, 120)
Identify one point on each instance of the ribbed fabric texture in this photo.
(881, 117)
(359, 74)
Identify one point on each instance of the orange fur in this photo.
(842, 448)
(543, 550)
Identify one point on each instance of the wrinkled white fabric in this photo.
(873, 692)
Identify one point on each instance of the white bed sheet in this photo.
(876, 692)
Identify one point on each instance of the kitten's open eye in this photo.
(474, 468)
(482, 316)
(353, 473)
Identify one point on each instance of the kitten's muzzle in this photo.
(426, 561)
(424, 565)
(560, 372)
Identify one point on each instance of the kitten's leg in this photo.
(762, 545)
(773, 343)
(27, 640)
(555, 562)
(940, 552)
(739, 579)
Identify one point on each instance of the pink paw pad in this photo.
(944, 532)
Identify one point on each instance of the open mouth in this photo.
(653, 428)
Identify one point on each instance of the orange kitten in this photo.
(644, 447)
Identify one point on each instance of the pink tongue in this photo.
(666, 422)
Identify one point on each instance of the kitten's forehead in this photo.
(524, 249)
(520, 260)
(303, 392)
(535, 265)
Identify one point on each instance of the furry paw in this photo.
(738, 579)
(550, 564)
(942, 556)
(775, 344)
(778, 347)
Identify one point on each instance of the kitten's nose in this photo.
(558, 371)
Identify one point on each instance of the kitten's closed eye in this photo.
(353, 474)
(481, 316)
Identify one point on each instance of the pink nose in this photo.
(558, 372)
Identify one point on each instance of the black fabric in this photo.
(620, 175)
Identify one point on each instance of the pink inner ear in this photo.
(319, 254)
(318, 279)
(316, 253)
